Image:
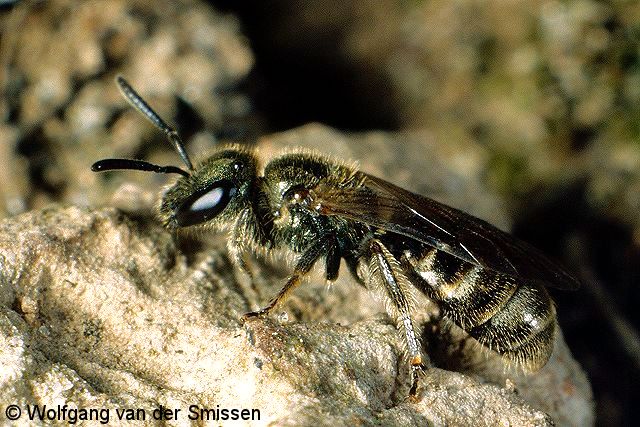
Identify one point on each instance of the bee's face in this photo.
(214, 192)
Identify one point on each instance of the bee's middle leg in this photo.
(325, 246)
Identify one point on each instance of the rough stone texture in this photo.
(102, 309)
(61, 109)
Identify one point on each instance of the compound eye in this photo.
(205, 204)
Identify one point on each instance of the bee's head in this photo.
(211, 194)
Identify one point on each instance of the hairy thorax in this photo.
(288, 184)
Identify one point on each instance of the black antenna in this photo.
(140, 105)
(139, 165)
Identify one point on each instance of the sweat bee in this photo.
(487, 282)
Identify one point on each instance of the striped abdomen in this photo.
(514, 318)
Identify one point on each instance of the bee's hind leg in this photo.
(325, 246)
(389, 273)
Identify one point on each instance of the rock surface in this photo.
(61, 108)
(99, 309)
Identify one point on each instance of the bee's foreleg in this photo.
(389, 272)
(322, 247)
(238, 256)
(237, 242)
(238, 251)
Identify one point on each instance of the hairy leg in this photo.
(322, 247)
(389, 272)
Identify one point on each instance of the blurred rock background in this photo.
(538, 100)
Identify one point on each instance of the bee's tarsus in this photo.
(252, 316)
(416, 371)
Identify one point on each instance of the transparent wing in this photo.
(383, 205)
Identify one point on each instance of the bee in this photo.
(485, 281)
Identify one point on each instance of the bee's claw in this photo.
(415, 373)
(413, 392)
(253, 315)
